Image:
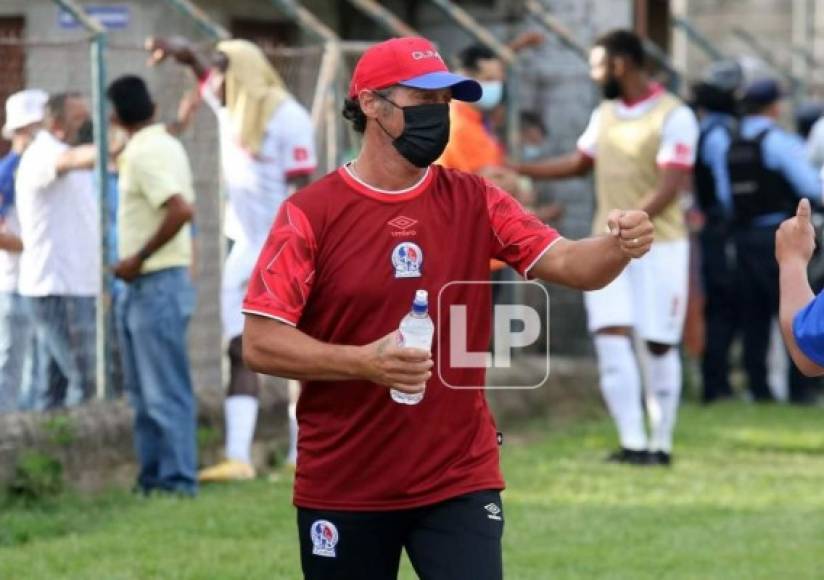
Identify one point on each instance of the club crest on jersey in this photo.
(324, 538)
(407, 259)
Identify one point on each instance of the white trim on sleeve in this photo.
(541, 255)
(267, 315)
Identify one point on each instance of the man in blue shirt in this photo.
(801, 313)
(768, 174)
(24, 113)
(715, 105)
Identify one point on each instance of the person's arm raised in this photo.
(794, 245)
(181, 50)
(275, 348)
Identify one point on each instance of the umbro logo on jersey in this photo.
(402, 225)
(402, 222)
(493, 512)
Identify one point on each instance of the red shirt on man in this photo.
(342, 264)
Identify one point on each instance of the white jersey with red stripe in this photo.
(678, 137)
(257, 183)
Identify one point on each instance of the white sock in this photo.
(241, 415)
(621, 388)
(292, 457)
(663, 394)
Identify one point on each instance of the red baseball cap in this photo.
(412, 62)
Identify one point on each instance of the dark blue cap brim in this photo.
(463, 88)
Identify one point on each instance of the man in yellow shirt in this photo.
(155, 251)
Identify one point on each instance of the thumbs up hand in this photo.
(795, 239)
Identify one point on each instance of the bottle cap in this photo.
(421, 302)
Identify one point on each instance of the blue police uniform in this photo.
(768, 173)
(717, 253)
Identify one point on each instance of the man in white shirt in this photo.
(60, 263)
(266, 150)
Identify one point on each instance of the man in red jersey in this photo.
(374, 477)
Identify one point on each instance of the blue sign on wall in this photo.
(112, 17)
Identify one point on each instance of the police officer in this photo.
(768, 173)
(714, 102)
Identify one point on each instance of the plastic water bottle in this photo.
(416, 331)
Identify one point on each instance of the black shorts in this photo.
(457, 539)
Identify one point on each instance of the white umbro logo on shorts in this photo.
(493, 512)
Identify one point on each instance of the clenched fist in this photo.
(633, 229)
(795, 239)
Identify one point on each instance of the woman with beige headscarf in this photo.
(266, 150)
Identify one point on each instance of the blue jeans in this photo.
(16, 344)
(153, 314)
(64, 366)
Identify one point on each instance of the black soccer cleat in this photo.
(629, 457)
(660, 458)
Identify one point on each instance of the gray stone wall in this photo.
(98, 451)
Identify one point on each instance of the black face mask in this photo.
(611, 89)
(425, 132)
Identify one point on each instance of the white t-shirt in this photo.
(678, 139)
(9, 261)
(256, 185)
(59, 224)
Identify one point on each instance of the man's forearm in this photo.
(672, 182)
(795, 294)
(82, 157)
(285, 351)
(174, 219)
(10, 243)
(657, 201)
(588, 264)
(571, 165)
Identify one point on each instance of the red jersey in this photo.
(342, 263)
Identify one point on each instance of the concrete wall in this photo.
(99, 451)
(775, 23)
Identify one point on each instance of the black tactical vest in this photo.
(756, 189)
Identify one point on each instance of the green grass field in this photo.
(744, 500)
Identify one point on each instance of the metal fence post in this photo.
(98, 69)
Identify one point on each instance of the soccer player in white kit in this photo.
(266, 150)
(641, 144)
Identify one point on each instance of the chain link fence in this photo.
(316, 74)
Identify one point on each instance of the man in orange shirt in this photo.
(473, 146)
